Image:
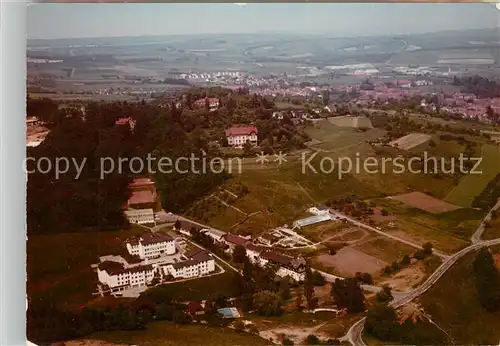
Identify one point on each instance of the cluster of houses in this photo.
(212, 103)
(293, 267)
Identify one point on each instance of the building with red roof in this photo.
(143, 194)
(237, 136)
(213, 103)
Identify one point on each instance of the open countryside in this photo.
(348, 249)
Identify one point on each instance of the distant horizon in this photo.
(104, 20)
(259, 33)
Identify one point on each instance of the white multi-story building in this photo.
(237, 136)
(198, 262)
(151, 245)
(140, 216)
(117, 277)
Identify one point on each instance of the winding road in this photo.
(355, 333)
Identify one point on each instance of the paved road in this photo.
(476, 237)
(388, 235)
(354, 335)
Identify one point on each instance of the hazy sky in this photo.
(101, 20)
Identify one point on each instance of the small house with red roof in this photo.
(237, 136)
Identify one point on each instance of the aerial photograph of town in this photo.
(263, 174)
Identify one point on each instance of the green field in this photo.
(58, 265)
(473, 184)
(169, 334)
(448, 232)
(329, 137)
(453, 305)
(385, 249)
(351, 121)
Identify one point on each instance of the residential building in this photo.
(288, 265)
(118, 278)
(253, 253)
(32, 122)
(237, 136)
(195, 308)
(126, 121)
(232, 240)
(213, 103)
(198, 262)
(319, 210)
(140, 216)
(151, 245)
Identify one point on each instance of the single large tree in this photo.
(347, 294)
(267, 303)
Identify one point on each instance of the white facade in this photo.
(189, 269)
(240, 140)
(125, 278)
(140, 216)
(316, 211)
(254, 257)
(284, 272)
(149, 249)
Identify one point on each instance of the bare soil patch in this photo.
(405, 279)
(349, 261)
(350, 235)
(295, 333)
(422, 201)
(378, 217)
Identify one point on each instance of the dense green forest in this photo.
(170, 129)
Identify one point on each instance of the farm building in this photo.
(311, 220)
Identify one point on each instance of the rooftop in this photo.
(277, 257)
(199, 258)
(312, 220)
(253, 247)
(241, 130)
(156, 237)
(138, 212)
(234, 239)
(141, 197)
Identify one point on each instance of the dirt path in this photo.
(295, 333)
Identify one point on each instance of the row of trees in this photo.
(489, 196)
(487, 280)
